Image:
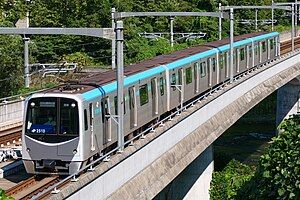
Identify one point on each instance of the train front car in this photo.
(51, 134)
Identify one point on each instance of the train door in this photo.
(106, 119)
(132, 107)
(209, 71)
(196, 77)
(222, 67)
(214, 71)
(154, 93)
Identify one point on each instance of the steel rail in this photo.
(10, 135)
(28, 186)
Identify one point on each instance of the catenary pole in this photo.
(231, 43)
(26, 50)
(293, 27)
(296, 12)
(113, 41)
(220, 22)
(256, 12)
(171, 31)
(120, 83)
(272, 19)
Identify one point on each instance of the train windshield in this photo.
(52, 119)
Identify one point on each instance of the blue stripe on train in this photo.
(110, 87)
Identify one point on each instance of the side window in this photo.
(86, 126)
(264, 46)
(221, 61)
(104, 108)
(173, 81)
(271, 44)
(91, 113)
(144, 94)
(242, 54)
(214, 63)
(161, 86)
(225, 58)
(180, 77)
(131, 98)
(116, 105)
(250, 51)
(202, 69)
(196, 70)
(208, 63)
(188, 75)
(256, 49)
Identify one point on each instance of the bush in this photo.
(3, 196)
(278, 176)
(226, 183)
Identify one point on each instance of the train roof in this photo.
(147, 68)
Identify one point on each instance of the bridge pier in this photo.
(288, 100)
(194, 181)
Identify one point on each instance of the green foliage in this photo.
(3, 196)
(278, 176)
(226, 183)
(97, 13)
(11, 70)
(81, 58)
(281, 165)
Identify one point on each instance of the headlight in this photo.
(74, 151)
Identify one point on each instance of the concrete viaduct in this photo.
(150, 164)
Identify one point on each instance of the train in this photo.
(68, 126)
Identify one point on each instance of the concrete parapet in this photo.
(11, 112)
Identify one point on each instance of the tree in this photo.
(278, 176)
(11, 64)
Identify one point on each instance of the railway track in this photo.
(31, 186)
(286, 47)
(10, 135)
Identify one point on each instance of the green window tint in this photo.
(234, 56)
(131, 98)
(271, 44)
(250, 51)
(256, 49)
(203, 69)
(173, 81)
(161, 86)
(221, 61)
(116, 104)
(242, 54)
(180, 77)
(214, 63)
(264, 46)
(196, 68)
(144, 99)
(225, 58)
(189, 76)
